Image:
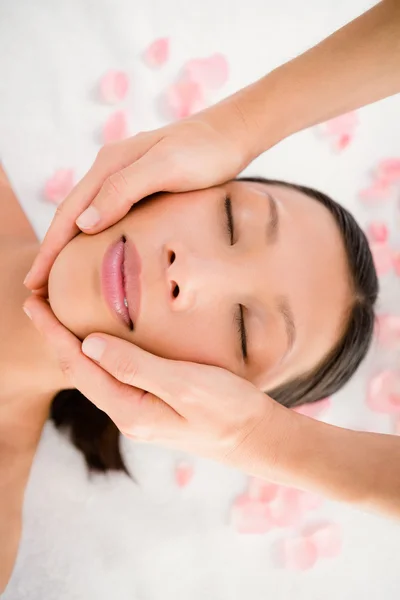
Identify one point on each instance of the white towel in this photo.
(107, 537)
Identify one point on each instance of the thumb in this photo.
(121, 190)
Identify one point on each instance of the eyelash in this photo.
(229, 218)
(239, 320)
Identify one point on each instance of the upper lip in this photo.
(120, 280)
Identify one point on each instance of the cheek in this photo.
(74, 287)
(168, 337)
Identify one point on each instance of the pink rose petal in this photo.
(184, 98)
(388, 170)
(262, 490)
(343, 124)
(299, 554)
(327, 539)
(314, 409)
(285, 508)
(383, 257)
(157, 53)
(183, 474)
(396, 263)
(388, 330)
(210, 73)
(115, 128)
(376, 192)
(384, 392)
(308, 501)
(114, 86)
(378, 231)
(343, 141)
(250, 516)
(59, 185)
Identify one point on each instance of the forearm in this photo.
(351, 466)
(357, 65)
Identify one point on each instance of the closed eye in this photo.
(239, 319)
(229, 219)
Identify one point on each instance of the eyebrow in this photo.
(286, 312)
(273, 221)
(282, 303)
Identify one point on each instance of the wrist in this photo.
(298, 451)
(271, 109)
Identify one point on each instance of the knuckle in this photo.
(125, 371)
(60, 210)
(115, 185)
(66, 366)
(104, 154)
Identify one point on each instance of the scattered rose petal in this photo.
(388, 330)
(388, 170)
(250, 516)
(376, 192)
(285, 508)
(341, 125)
(157, 53)
(383, 257)
(210, 73)
(377, 231)
(327, 539)
(299, 554)
(262, 490)
(309, 501)
(396, 263)
(184, 98)
(340, 130)
(384, 392)
(314, 409)
(343, 141)
(115, 128)
(59, 185)
(114, 86)
(183, 474)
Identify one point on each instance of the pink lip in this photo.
(132, 270)
(120, 279)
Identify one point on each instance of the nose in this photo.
(180, 291)
(200, 276)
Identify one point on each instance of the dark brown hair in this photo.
(96, 436)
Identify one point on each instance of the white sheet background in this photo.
(104, 537)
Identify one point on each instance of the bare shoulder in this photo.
(13, 221)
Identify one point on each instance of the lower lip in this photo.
(112, 281)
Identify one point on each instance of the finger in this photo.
(136, 413)
(63, 227)
(134, 366)
(122, 189)
(43, 292)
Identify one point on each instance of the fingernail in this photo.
(27, 312)
(89, 218)
(93, 348)
(27, 276)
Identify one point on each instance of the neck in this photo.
(30, 376)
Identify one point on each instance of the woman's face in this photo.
(247, 276)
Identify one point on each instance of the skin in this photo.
(24, 401)
(215, 277)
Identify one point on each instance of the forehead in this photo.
(309, 266)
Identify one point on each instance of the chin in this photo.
(64, 291)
